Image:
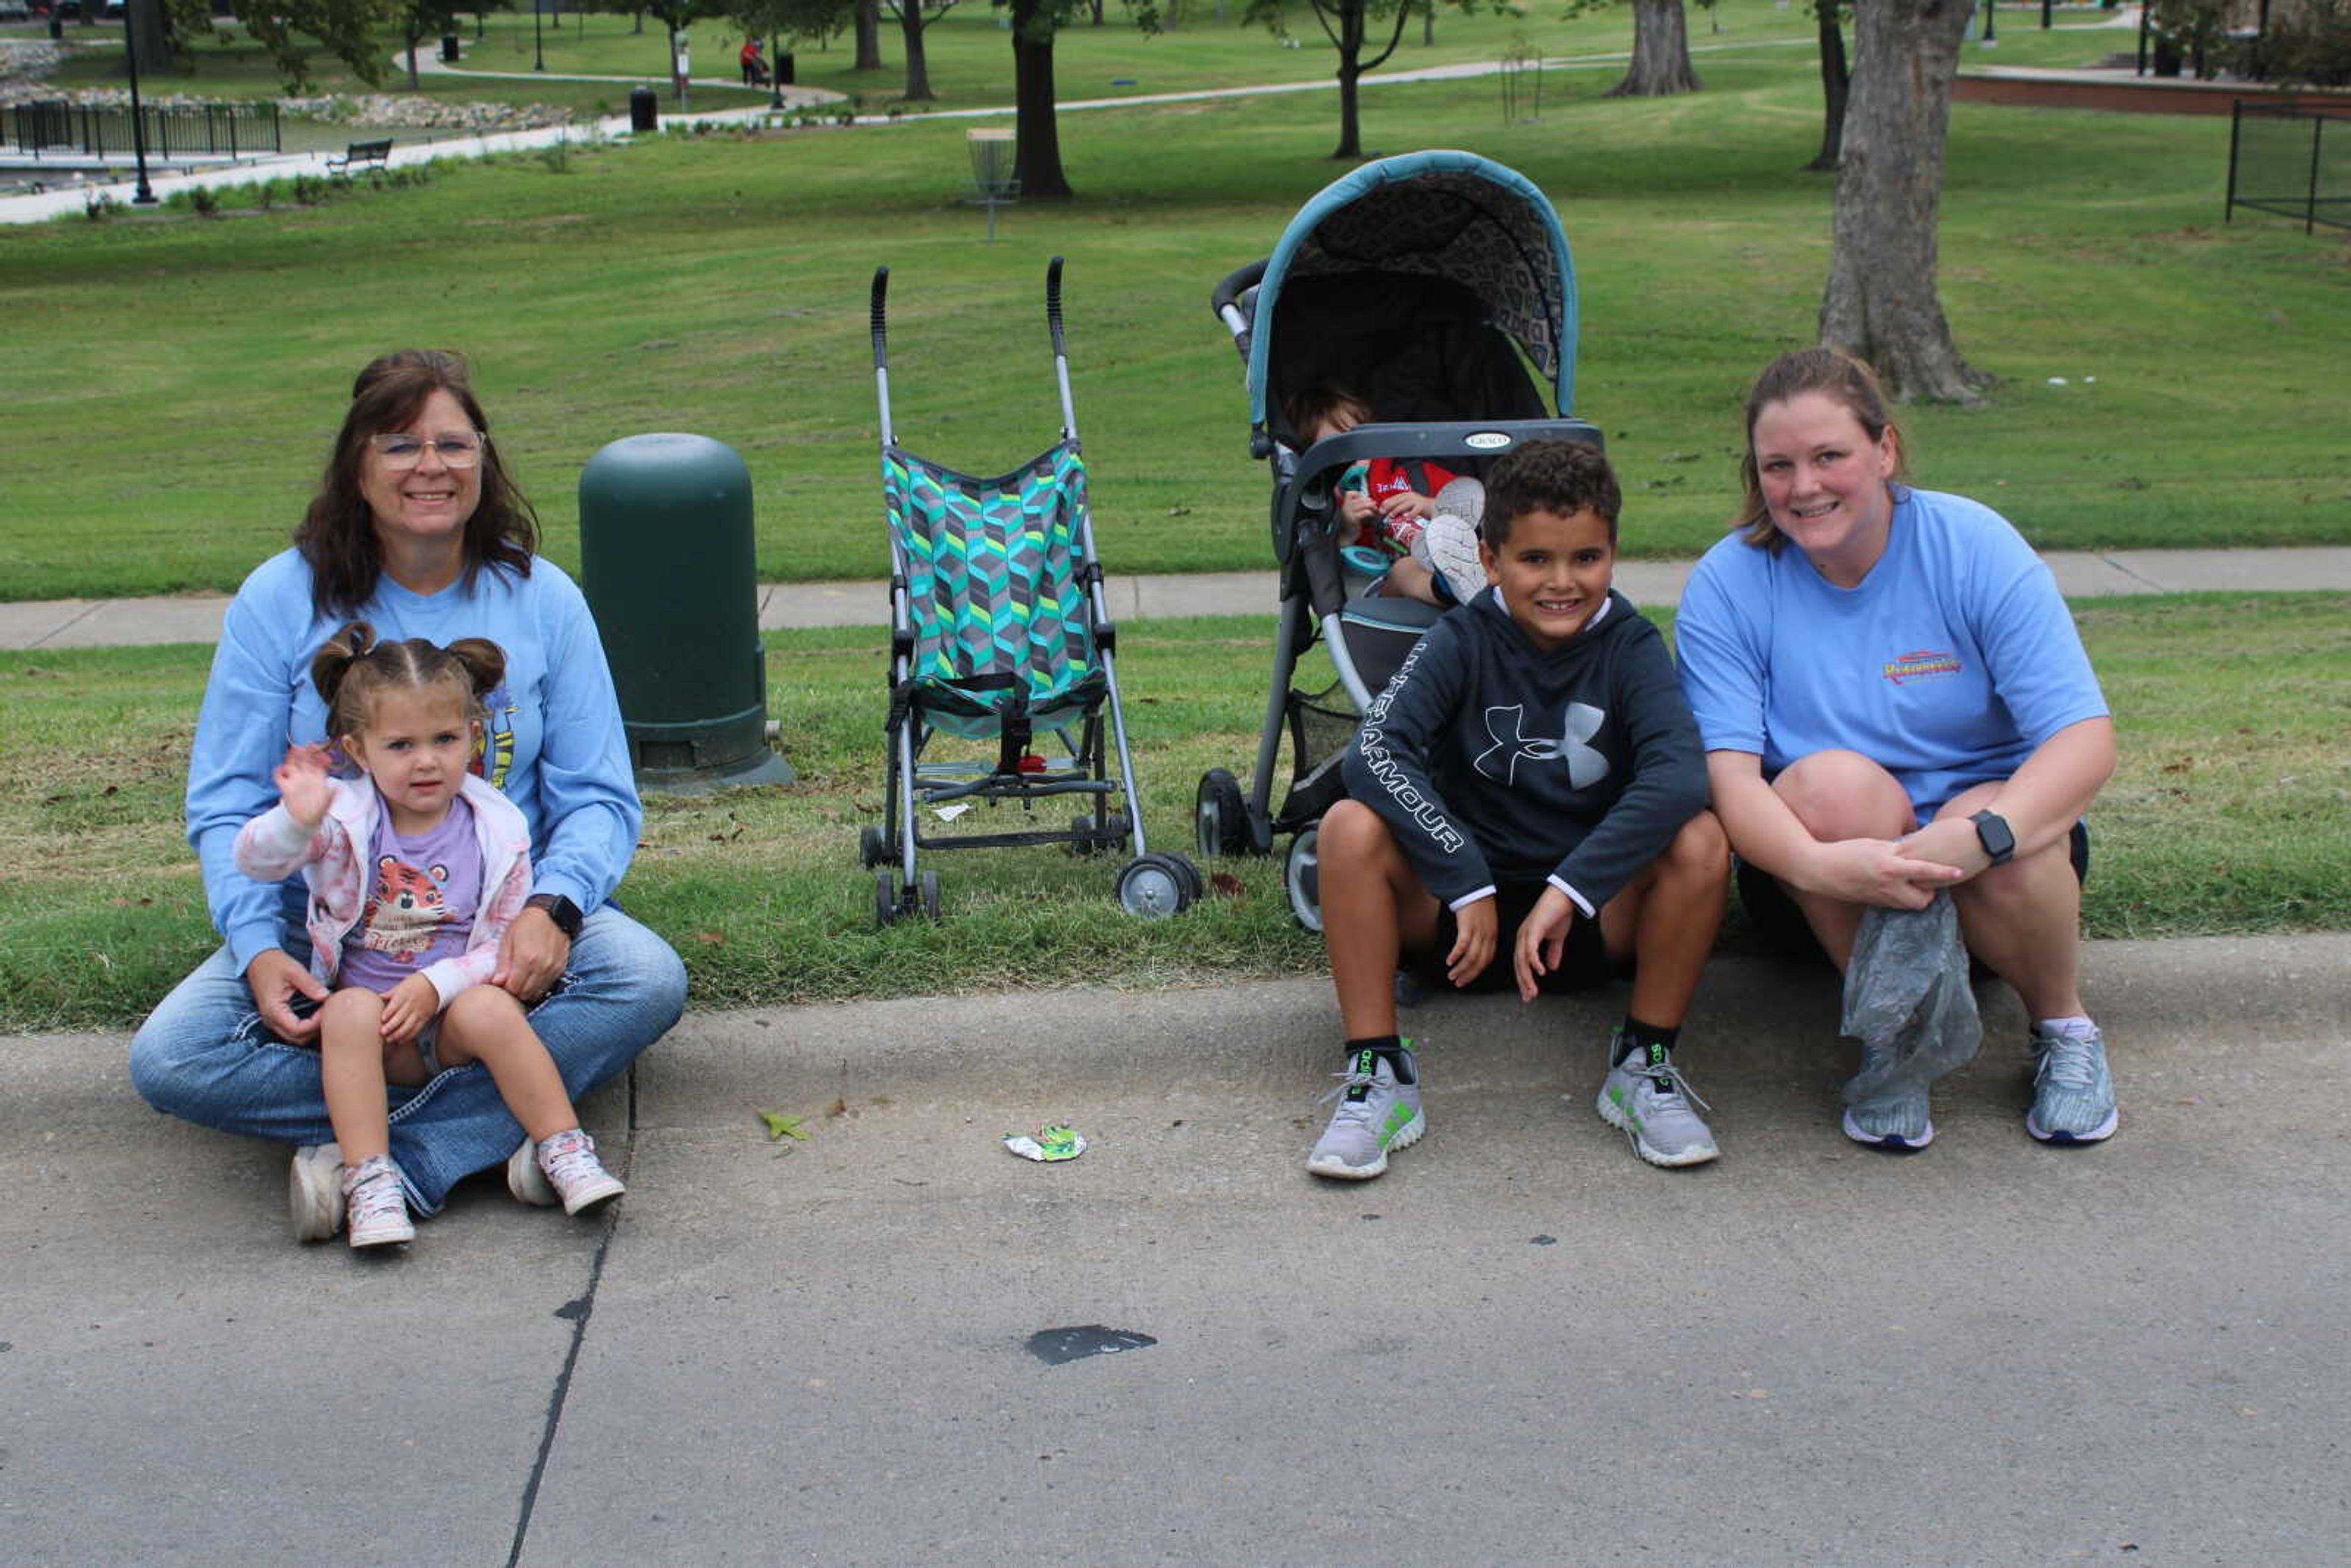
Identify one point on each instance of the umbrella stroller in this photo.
(1428, 284)
(998, 633)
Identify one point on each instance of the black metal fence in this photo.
(227, 129)
(2282, 159)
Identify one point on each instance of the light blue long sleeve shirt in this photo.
(555, 745)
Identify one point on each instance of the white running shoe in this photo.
(526, 1180)
(1449, 543)
(1378, 1110)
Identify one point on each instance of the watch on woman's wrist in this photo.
(1993, 833)
(560, 909)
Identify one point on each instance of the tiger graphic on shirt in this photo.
(405, 908)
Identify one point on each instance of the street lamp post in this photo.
(1991, 8)
(146, 196)
(538, 33)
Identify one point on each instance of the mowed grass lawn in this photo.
(175, 380)
(2227, 815)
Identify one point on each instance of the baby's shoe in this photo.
(1449, 544)
(376, 1209)
(578, 1177)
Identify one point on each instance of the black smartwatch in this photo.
(1992, 831)
(567, 918)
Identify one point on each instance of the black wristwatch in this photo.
(566, 916)
(1993, 833)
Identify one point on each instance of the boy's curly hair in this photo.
(1561, 477)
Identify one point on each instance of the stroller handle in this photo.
(881, 294)
(1225, 300)
(1053, 303)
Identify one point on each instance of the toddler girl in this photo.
(415, 872)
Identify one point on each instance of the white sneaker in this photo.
(1449, 544)
(377, 1207)
(314, 1192)
(526, 1180)
(575, 1173)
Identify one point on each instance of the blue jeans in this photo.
(205, 1056)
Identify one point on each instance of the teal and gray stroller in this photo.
(1000, 633)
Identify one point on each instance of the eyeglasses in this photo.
(460, 449)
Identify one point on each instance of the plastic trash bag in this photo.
(1908, 999)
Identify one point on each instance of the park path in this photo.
(2081, 574)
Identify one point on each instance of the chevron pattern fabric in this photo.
(992, 580)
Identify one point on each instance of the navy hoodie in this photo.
(1494, 760)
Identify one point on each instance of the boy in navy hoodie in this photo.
(1528, 803)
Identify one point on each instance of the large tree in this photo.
(350, 30)
(1661, 59)
(1037, 126)
(1352, 26)
(1836, 82)
(869, 34)
(913, 16)
(1881, 303)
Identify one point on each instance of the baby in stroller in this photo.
(1418, 520)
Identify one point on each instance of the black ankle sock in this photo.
(1387, 1045)
(1637, 1037)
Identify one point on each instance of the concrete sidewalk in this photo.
(2082, 574)
(1519, 1345)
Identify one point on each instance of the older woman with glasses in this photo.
(417, 530)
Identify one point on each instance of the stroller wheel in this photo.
(930, 895)
(1220, 817)
(1154, 886)
(874, 847)
(1303, 878)
(1089, 843)
(1193, 884)
(885, 898)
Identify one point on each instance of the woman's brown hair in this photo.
(1836, 376)
(337, 537)
(351, 666)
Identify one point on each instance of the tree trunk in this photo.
(1350, 41)
(1880, 304)
(1038, 159)
(918, 65)
(638, 31)
(412, 63)
(869, 34)
(1661, 62)
(1836, 83)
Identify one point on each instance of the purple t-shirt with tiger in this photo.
(422, 893)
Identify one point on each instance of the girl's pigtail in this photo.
(484, 664)
(333, 660)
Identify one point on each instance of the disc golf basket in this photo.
(1522, 76)
(993, 182)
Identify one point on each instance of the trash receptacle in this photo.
(449, 49)
(784, 68)
(644, 110)
(668, 566)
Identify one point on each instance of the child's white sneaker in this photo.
(377, 1209)
(1449, 544)
(575, 1173)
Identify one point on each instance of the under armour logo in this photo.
(1585, 765)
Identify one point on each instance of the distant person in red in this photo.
(754, 68)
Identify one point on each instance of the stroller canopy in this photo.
(1441, 215)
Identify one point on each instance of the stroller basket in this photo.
(999, 632)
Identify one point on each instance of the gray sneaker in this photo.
(1895, 1123)
(1449, 542)
(1647, 1099)
(2073, 1092)
(1378, 1110)
(314, 1192)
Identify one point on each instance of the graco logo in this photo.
(1486, 440)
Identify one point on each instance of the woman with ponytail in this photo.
(417, 530)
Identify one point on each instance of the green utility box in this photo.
(668, 567)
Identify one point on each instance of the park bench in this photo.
(362, 156)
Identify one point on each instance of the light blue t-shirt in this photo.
(1948, 664)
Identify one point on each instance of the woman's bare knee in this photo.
(1840, 795)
